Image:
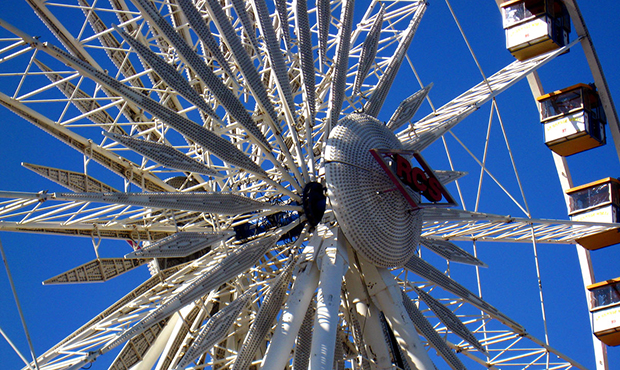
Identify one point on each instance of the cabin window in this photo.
(561, 104)
(606, 295)
(516, 13)
(590, 197)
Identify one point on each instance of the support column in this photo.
(279, 350)
(333, 264)
(386, 294)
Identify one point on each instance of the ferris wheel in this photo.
(284, 207)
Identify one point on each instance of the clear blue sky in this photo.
(440, 56)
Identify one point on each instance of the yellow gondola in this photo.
(573, 119)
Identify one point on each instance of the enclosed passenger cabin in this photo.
(573, 119)
(606, 311)
(597, 201)
(534, 27)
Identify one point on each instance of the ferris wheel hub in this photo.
(377, 221)
(314, 202)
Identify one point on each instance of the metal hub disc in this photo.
(378, 222)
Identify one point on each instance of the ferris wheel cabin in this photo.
(597, 201)
(606, 311)
(534, 27)
(573, 119)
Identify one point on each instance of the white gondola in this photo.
(534, 27)
(597, 201)
(605, 310)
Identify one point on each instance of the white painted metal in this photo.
(333, 262)
(258, 113)
(152, 355)
(291, 318)
(386, 294)
(561, 165)
(375, 351)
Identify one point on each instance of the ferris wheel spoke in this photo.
(124, 15)
(450, 251)
(130, 231)
(395, 24)
(75, 181)
(189, 56)
(369, 51)
(446, 177)
(98, 270)
(217, 145)
(430, 273)
(449, 319)
(302, 26)
(180, 244)
(254, 83)
(464, 225)
(281, 9)
(271, 303)
(244, 62)
(283, 85)
(241, 10)
(215, 329)
(428, 129)
(427, 330)
(343, 46)
(408, 108)
(379, 94)
(200, 26)
(276, 58)
(170, 75)
(209, 202)
(164, 154)
(122, 167)
(324, 15)
(306, 59)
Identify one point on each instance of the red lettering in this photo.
(417, 179)
(433, 192)
(420, 180)
(403, 168)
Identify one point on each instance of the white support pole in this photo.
(587, 272)
(385, 292)
(178, 327)
(279, 350)
(157, 347)
(19, 307)
(15, 349)
(368, 316)
(333, 264)
(585, 263)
